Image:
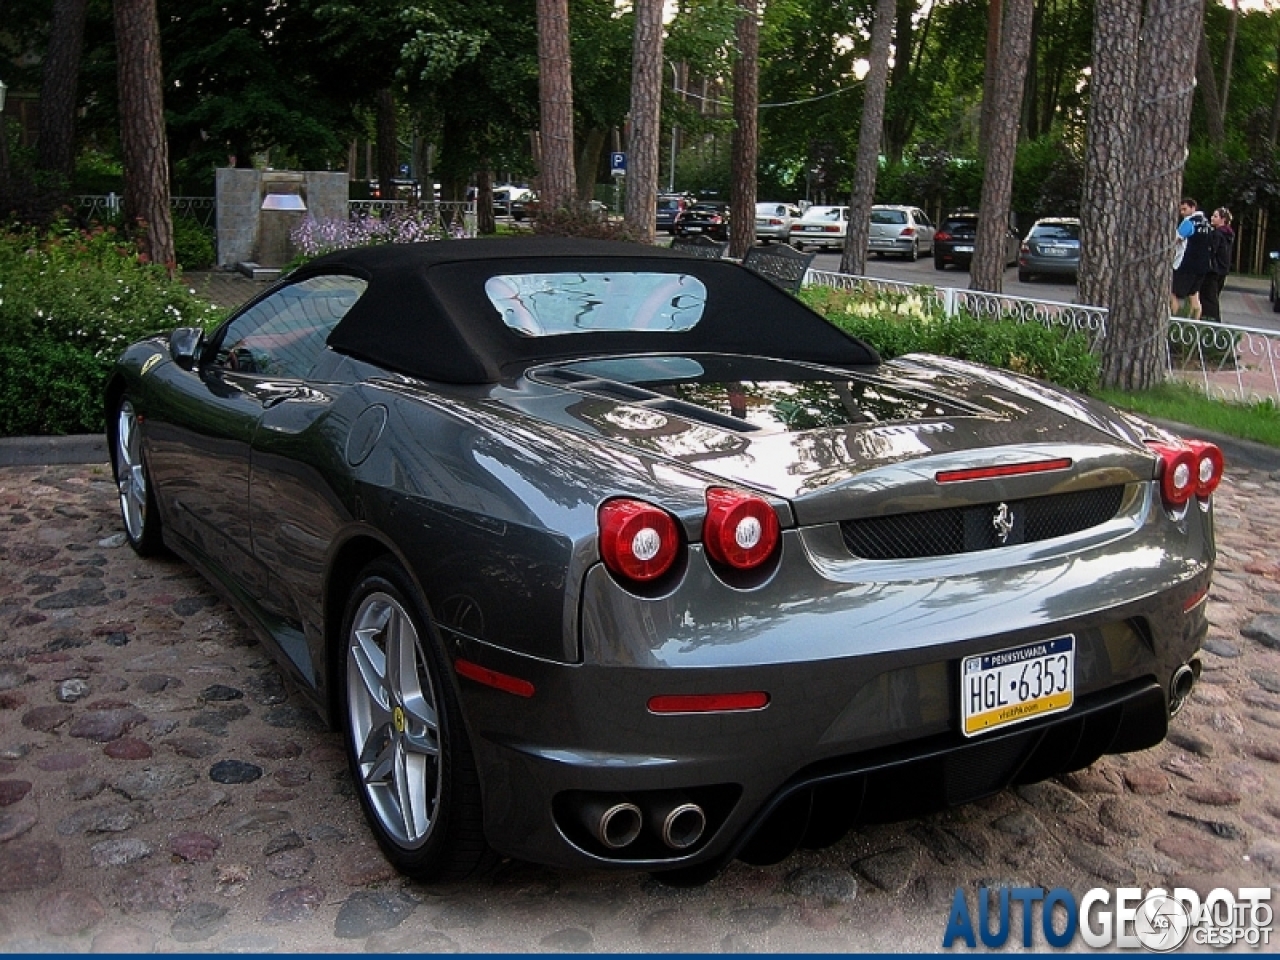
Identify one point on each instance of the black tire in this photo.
(419, 752)
(914, 253)
(939, 263)
(133, 482)
(1024, 277)
(1275, 305)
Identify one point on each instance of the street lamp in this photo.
(675, 88)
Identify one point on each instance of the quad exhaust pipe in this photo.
(617, 823)
(678, 822)
(1183, 682)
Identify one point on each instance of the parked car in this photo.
(1051, 247)
(705, 219)
(507, 200)
(773, 221)
(670, 207)
(901, 230)
(603, 556)
(820, 227)
(954, 239)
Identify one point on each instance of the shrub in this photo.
(193, 244)
(582, 223)
(896, 324)
(70, 301)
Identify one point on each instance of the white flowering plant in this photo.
(70, 300)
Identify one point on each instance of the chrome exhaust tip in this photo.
(678, 822)
(616, 824)
(1180, 687)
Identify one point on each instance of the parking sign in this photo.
(618, 164)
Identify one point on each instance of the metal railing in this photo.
(109, 205)
(455, 218)
(1226, 361)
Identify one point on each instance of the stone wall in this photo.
(240, 193)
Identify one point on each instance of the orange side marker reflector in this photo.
(492, 678)
(1195, 601)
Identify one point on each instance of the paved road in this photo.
(1244, 301)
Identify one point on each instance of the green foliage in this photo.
(1048, 177)
(70, 301)
(896, 324)
(193, 244)
(48, 387)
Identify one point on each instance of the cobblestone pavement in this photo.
(161, 790)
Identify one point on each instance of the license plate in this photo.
(693, 229)
(1055, 251)
(1009, 686)
(960, 249)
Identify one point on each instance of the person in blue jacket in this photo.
(1192, 261)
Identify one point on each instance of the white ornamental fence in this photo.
(1226, 361)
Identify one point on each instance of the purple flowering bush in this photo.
(314, 237)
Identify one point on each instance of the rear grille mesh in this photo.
(936, 533)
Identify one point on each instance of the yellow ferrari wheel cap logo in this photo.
(397, 717)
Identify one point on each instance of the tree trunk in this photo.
(142, 134)
(854, 258)
(1113, 89)
(1207, 83)
(1133, 356)
(646, 120)
(899, 106)
(994, 15)
(485, 224)
(388, 153)
(746, 131)
(589, 162)
(57, 153)
(555, 95)
(1229, 55)
(987, 271)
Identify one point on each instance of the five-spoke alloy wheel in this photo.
(405, 740)
(137, 500)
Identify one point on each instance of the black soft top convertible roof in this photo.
(425, 312)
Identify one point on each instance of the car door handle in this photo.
(279, 396)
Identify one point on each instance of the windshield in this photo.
(552, 304)
(888, 216)
(1057, 231)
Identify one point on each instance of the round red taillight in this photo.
(638, 541)
(1177, 473)
(741, 529)
(1209, 466)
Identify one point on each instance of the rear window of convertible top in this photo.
(554, 304)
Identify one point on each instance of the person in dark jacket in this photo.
(1221, 244)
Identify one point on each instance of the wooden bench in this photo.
(782, 265)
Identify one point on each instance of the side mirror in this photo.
(185, 345)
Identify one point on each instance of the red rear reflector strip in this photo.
(708, 702)
(492, 678)
(1009, 470)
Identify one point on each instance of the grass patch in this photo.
(1259, 422)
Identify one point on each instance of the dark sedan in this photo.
(605, 556)
(1051, 248)
(953, 243)
(705, 220)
